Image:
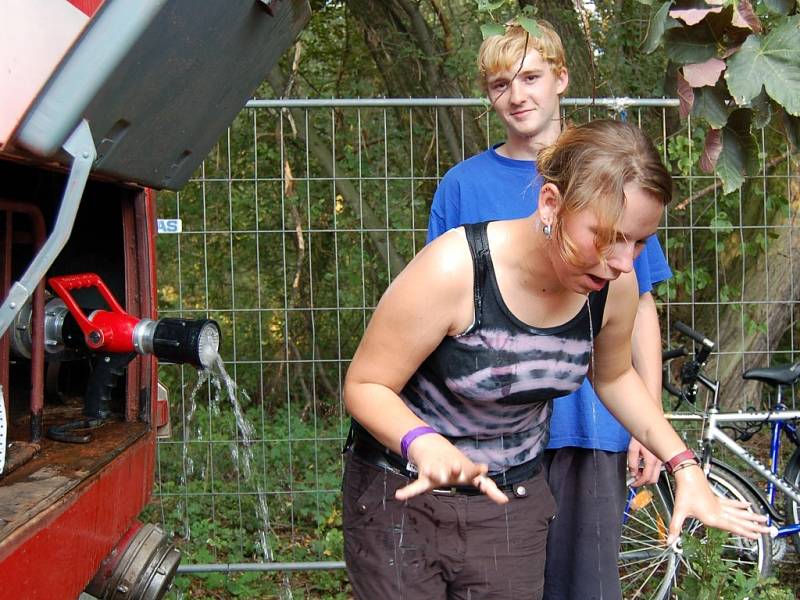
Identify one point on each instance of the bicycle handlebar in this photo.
(690, 370)
(673, 353)
(673, 389)
(695, 335)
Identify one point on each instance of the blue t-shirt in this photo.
(488, 187)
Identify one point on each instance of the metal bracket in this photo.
(80, 146)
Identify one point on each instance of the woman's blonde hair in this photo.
(505, 52)
(590, 164)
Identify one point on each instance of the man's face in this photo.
(527, 99)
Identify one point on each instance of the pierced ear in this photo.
(549, 203)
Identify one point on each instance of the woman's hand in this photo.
(440, 464)
(695, 498)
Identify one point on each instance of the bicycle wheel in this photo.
(792, 475)
(741, 553)
(647, 566)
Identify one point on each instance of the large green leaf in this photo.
(709, 104)
(690, 44)
(739, 156)
(771, 61)
(659, 23)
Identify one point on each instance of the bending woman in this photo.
(451, 387)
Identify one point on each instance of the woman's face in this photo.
(639, 221)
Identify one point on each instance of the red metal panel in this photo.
(57, 553)
(148, 292)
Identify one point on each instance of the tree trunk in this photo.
(322, 153)
(567, 22)
(774, 277)
(410, 56)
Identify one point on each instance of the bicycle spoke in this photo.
(647, 565)
(652, 570)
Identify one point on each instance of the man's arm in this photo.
(646, 354)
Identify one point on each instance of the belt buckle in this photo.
(451, 491)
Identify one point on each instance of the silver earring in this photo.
(547, 230)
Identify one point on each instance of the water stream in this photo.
(241, 448)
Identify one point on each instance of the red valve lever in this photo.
(111, 331)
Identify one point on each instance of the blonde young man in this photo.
(524, 77)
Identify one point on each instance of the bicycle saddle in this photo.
(784, 375)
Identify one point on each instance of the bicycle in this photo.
(749, 555)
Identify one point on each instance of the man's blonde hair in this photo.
(505, 52)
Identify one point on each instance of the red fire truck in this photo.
(102, 102)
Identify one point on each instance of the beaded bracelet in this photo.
(683, 465)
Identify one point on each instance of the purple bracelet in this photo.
(411, 436)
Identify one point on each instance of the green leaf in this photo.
(646, 2)
(490, 29)
(530, 25)
(739, 156)
(721, 223)
(690, 44)
(488, 5)
(771, 61)
(709, 104)
(762, 110)
(659, 23)
(781, 7)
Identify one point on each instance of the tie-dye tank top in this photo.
(489, 390)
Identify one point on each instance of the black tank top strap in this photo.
(479, 249)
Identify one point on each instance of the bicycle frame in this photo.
(712, 433)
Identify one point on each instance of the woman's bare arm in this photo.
(430, 299)
(623, 392)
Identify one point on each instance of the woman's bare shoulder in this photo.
(436, 286)
(447, 257)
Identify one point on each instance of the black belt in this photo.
(368, 449)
